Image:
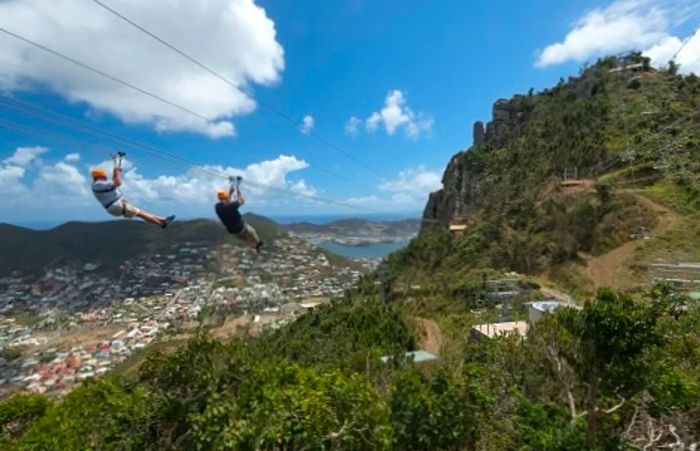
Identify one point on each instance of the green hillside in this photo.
(619, 372)
(110, 243)
(632, 137)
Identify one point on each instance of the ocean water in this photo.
(324, 219)
(380, 250)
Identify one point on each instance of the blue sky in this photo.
(397, 85)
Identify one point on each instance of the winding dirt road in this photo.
(602, 270)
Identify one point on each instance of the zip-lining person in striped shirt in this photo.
(110, 196)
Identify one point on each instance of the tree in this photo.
(673, 67)
(18, 413)
(432, 413)
(610, 347)
(108, 414)
(284, 406)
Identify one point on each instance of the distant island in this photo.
(356, 232)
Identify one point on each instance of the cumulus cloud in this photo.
(11, 185)
(307, 124)
(412, 186)
(627, 25)
(67, 185)
(396, 115)
(264, 183)
(61, 181)
(688, 59)
(407, 191)
(72, 158)
(240, 43)
(352, 126)
(23, 156)
(624, 25)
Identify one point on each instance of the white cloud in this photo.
(307, 124)
(412, 186)
(72, 158)
(688, 59)
(412, 180)
(352, 126)
(11, 186)
(397, 115)
(365, 201)
(408, 191)
(63, 185)
(240, 43)
(61, 181)
(23, 156)
(263, 183)
(624, 25)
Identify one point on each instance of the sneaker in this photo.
(167, 221)
(258, 246)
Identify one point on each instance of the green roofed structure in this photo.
(418, 356)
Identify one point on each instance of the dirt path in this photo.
(602, 270)
(429, 334)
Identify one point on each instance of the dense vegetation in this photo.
(617, 373)
(628, 134)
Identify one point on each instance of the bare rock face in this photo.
(507, 118)
(461, 189)
(463, 180)
(479, 134)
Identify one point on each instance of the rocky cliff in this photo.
(531, 138)
(462, 179)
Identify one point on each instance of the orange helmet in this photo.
(99, 173)
(222, 194)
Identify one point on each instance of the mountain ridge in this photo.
(111, 242)
(607, 134)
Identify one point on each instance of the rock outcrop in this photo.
(461, 180)
(479, 134)
(508, 118)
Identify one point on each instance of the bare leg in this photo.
(152, 219)
(253, 240)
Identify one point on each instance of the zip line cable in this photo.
(51, 116)
(173, 164)
(104, 74)
(170, 159)
(134, 87)
(33, 131)
(242, 90)
(685, 42)
(73, 123)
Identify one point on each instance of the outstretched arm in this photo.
(117, 176)
(239, 196)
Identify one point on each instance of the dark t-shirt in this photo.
(230, 216)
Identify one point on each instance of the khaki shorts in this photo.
(123, 208)
(247, 232)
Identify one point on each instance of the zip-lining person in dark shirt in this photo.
(227, 211)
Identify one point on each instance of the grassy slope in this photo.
(520, 221)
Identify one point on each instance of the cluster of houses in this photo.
(149, 295)
(57, 370)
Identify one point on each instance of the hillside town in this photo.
(75, 323)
